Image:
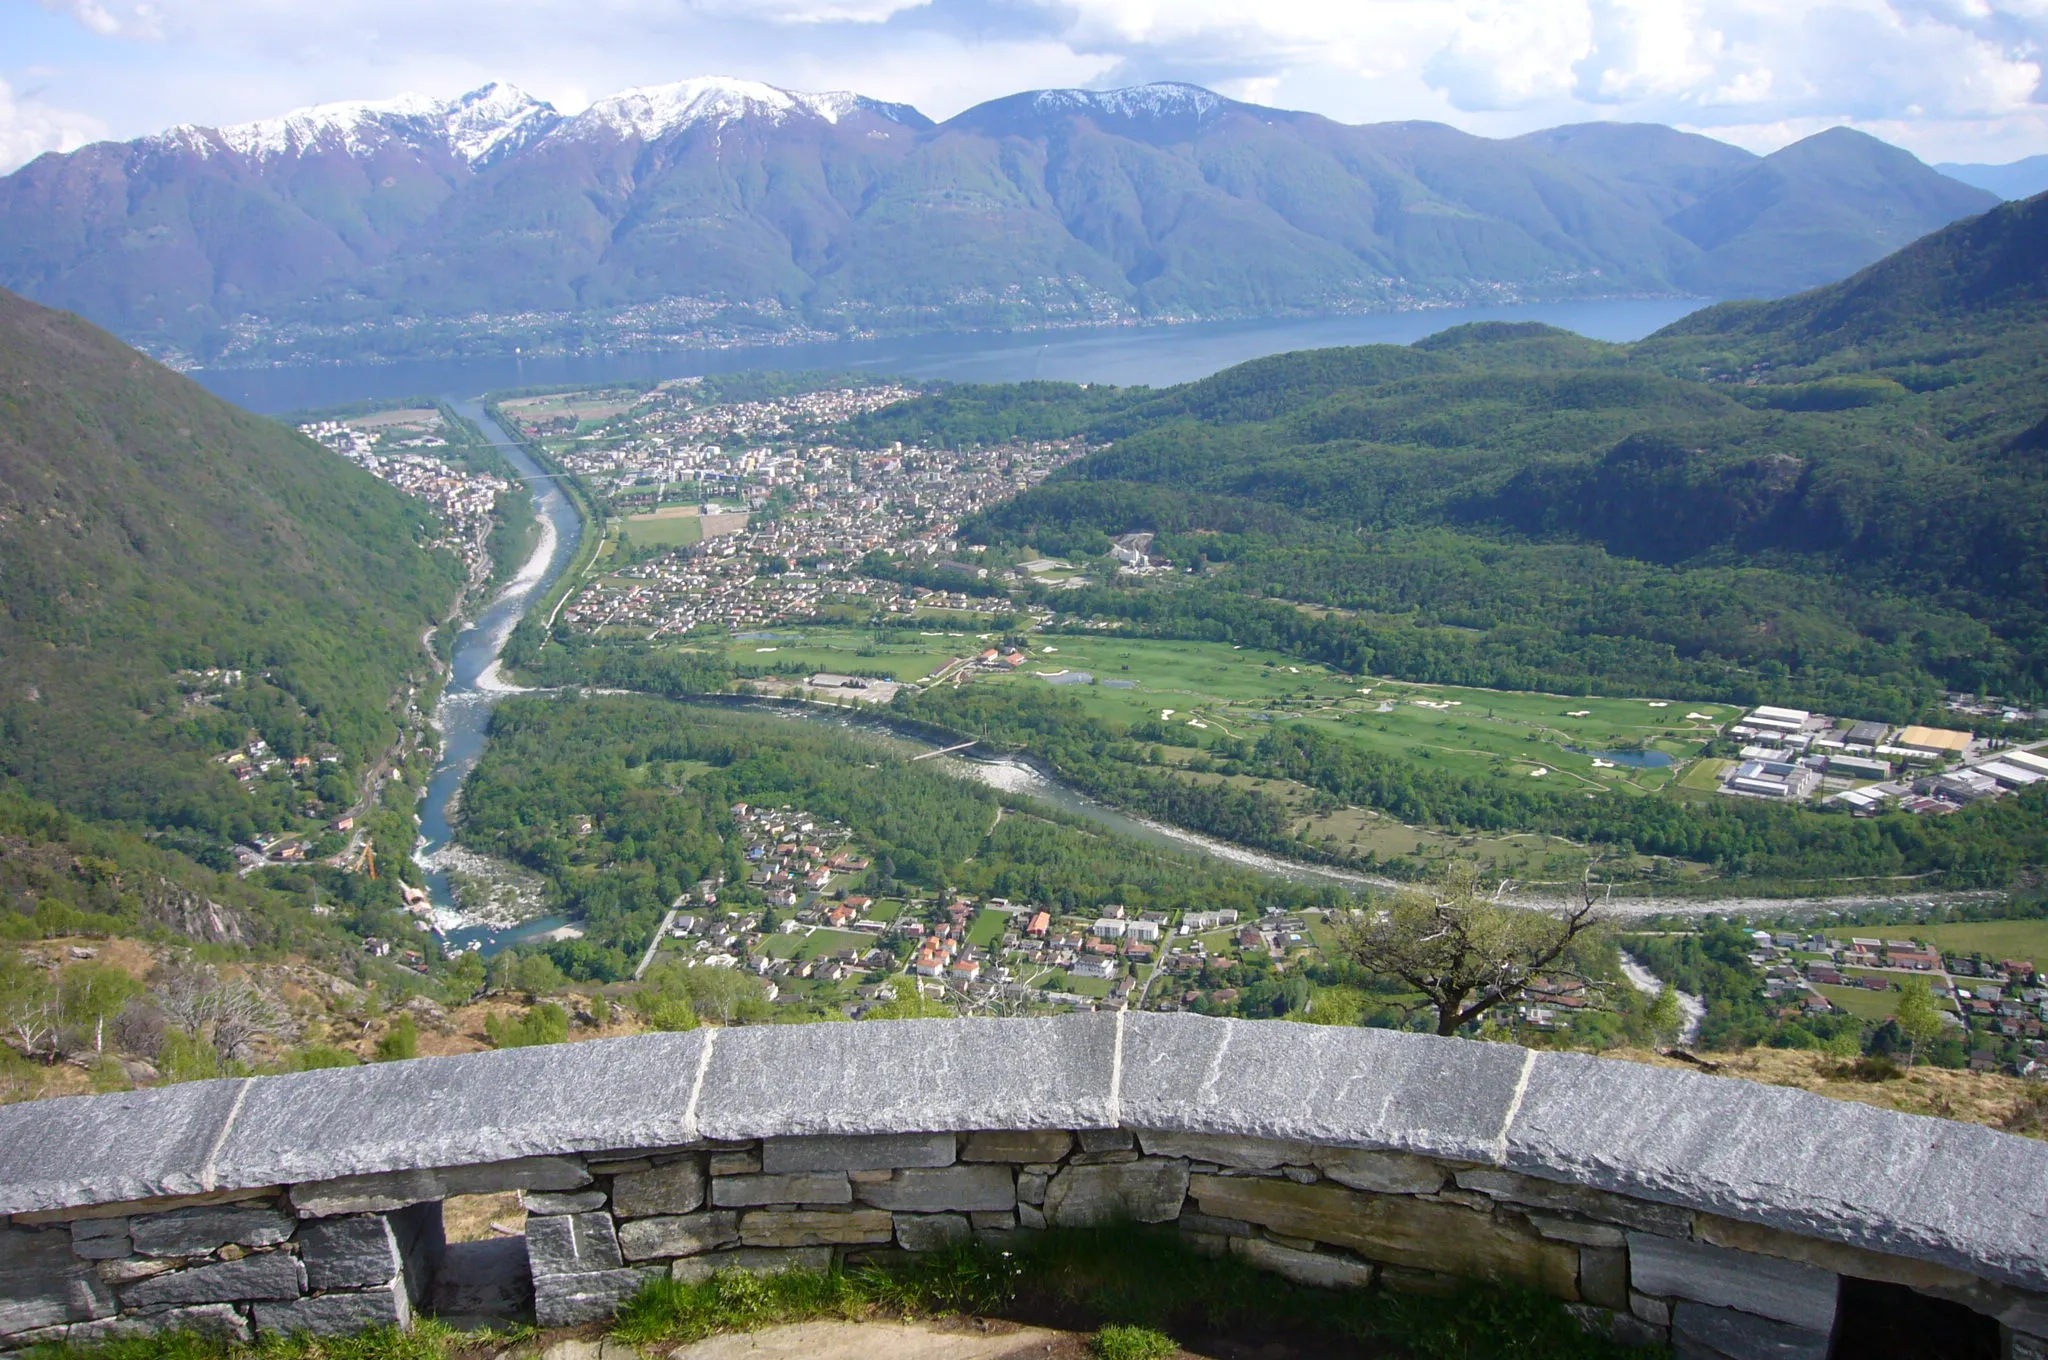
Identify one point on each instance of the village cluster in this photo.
(784, 517)
(1792, 754)
(465, 501)
(1999, 1002)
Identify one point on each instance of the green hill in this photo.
(150, 532)
(1836, 499)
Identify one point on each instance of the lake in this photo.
(1153, 356)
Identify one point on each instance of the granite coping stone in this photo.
(1358, 1087)
(912, 1076)
(1905, 1185)
(83, 1150)
(475, 1107)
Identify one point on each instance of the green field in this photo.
(1215, 688)
(1997, 939)
(987, 928)
(663, 529)
(1212, 689)
(1863, 1004)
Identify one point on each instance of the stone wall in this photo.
(1723, 1215)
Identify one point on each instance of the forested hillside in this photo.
(178, 577)
(1835, 500)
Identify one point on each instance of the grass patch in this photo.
(1125, 1281)
(428, 1340)
(1119, 1342)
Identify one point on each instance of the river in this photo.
(465, 708)
(1154, 356)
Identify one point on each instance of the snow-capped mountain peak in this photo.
(1162, 99)
(652, 111)
(496, 118)
(476, 126)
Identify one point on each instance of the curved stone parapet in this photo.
(1281, 1124)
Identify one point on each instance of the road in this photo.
(660, 933)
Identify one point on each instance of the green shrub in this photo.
(401, 1041)
(546, 1023)
(1118, 1342)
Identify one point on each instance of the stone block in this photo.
(43, 1283)
(677, 1188)
(1656, 1312)
(866, 1152)
(1784, 1291)
(1104, 1158)
(355, 1252)
(1572, 1230)
(754, 1261)
(130, 1145)
(745, 1163)
(1191, 1221)
(562, 1201)
(100, 1239)
(271, 1275)
(930, 1232)
(132, 1268)
(1386, 1173)
(1257, 1154)
(1703, 1333)
(341, 1314)
(384, 1191)
(1341, 1085)
(1031, 1216)
(572, 1244)
(1932, 1189)
(815, 1227)
(1031, 1186)
(220, 1321)
(572, 1300)
(645, 1239)
(898, 1075)
(1320, 1270)
(1028, 1145)
(1107, 1140)
(196, 1232)
(1603, 1277)
(1396, 1229)
(799, 1187)
(1843, 1260)
(466, 1111)
(1512, 1188)
(956, 1188)
(1142, 1192)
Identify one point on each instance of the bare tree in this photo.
(228, 1013)
(1461, 947)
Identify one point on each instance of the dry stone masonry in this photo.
(1730, 1219)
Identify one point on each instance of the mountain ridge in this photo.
(716, 209)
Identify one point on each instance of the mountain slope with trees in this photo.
(150, 531)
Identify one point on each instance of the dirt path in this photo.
(965, 1339)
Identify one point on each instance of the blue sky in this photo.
(1948, 79)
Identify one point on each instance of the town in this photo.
(742, 515)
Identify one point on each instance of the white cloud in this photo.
(1932, 70)
(29, 127)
